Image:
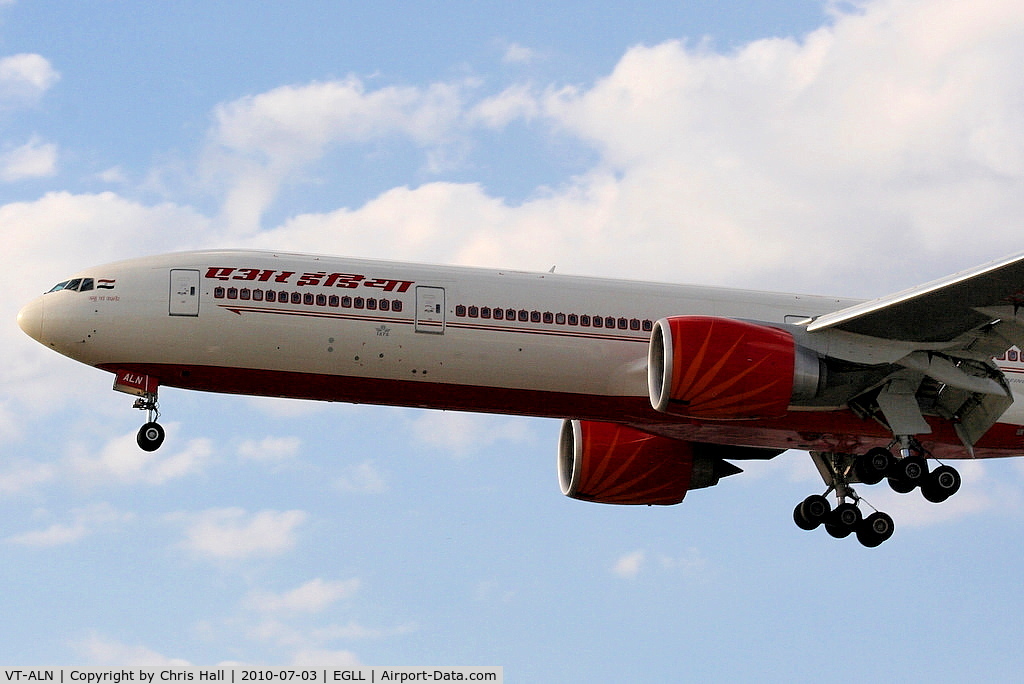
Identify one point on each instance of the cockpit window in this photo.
(77, 284)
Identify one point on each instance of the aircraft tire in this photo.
(942, 483)
(802, 522)
(814, 510)
(900, 486)
(843, 521)
(875, 529)
(912, 470)
(872, 466)
(150, 437)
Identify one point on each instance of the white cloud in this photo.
(84, 522)
(123, 462)
(319, 657)
(518, 54)
(258, 141)
(516, 102)
(270, 449)
(102, 651)
(20, 476)
(34, 159)
(895, 125)
(363, 478)
(233, 533)
(458, 434)
(24, 77)
(312, 597)
(628, 565)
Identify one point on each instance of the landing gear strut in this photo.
(904, 474)
(151, 435)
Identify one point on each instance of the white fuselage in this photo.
(394, 333)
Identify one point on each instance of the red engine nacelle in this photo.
(724, 369)
(610, 463)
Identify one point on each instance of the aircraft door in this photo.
(184, 295)
(430, 310)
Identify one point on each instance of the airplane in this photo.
(660, 387)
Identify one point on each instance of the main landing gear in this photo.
(904, 474)
(151, 435)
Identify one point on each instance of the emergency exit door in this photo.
(430, 310)
(184, 295)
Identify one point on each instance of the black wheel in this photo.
(814, 510)
(912, 470)
(942, 483)
(843, 521)
(802, 522)
(875, 529)
(150, 437)
(872, 466)
(899, 486)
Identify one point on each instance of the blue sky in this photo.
(835, 148)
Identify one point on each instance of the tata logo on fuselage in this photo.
(320, 278)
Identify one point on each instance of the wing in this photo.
(938, 311)
(939, 338)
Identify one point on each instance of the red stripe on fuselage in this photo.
(840, 430)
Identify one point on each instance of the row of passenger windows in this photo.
(307, 298)
(1011, 355)
(581, 320)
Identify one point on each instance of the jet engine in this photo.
(617, 464)
(719, 368)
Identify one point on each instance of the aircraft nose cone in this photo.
(30, 319)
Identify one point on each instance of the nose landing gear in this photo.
(151, 435)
